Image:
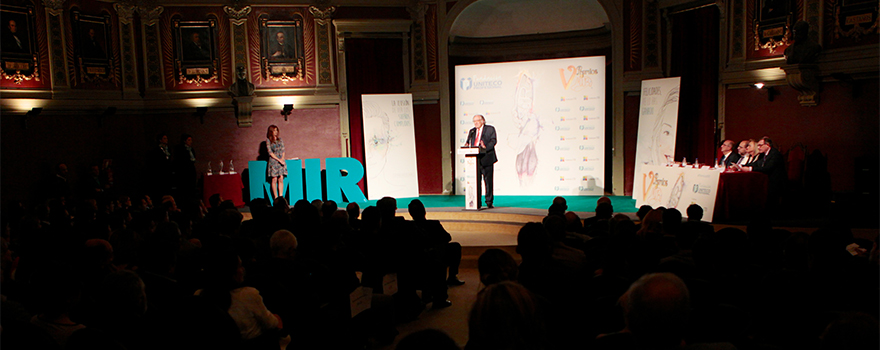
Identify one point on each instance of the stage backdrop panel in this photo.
(390, 146)
(549, 116)
(658, 121)
(677, 187)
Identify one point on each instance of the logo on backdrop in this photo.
(466, 83)
(577, 79)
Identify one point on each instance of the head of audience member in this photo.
(427, 339)
(283, 245)
(123, 296)
(317, 203)
(61, 170)
(765, 143)
(506, 315)
(656, 310)
(495, 266)
(555, 226)
(643, 210)
(387, 207)
(280, 203)
(328, 208)
(671, 221)
(353, 210)
(556, 209)
(652, 224)
(573, 222)
(417, 210)
(604, 210)
(533, 242)
(694, 212)
(215, 200)
(370, 219)
(98, 253)
(560, 200)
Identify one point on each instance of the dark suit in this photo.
(10, 44)
(773, 165)
(286, 49)
(487, 160)
(731, 159)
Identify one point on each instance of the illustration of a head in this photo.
(663, 139)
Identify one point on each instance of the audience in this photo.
(115, 272)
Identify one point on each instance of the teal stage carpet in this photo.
(622, 204)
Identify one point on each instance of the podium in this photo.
(471, 176)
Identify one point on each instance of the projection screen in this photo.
(549, 116)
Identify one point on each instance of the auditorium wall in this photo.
(29, 155)
(843, 126)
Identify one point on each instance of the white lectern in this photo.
(471, 176)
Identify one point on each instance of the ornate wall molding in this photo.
(738, 29)
(151, 17)
(57, 49)
(323, 35)
(417, 13)
(238, 22)
(237, 16)
(124, 12)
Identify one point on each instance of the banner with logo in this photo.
(677, 187)
(658, 121)
(390, 146)
(549, 116)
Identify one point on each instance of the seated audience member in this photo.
(427, 339)
(354, 213)
(224, 276)
(656, 312)
(852, 331)
(694, 212)
(448, 252)
(643, 210)
(506, 315)
(55, 289)
(604, 211)
(495, 266)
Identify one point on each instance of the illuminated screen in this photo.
(549, 117)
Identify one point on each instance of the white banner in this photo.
(677, 187)
(390, 146)
(549, 116)
(658, 122)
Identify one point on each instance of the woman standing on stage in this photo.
(276, 169)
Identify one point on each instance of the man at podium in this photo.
(483, 136)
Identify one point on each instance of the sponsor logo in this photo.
(590, 159)
(563, 128)
(561, 168)
(487, 102)
(584, 148)
(586, 138)
(563, 109)
(478, 83)
(464, 103)
(701, 190)
(563, 99)
(560, 188)
(587, 127)
(587, 108)
(562, 148)
(577, 78)
(466, 83)
(586, 168)
(563, 159)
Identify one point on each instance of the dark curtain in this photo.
(373, 66)
(694, 57)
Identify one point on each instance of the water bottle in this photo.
(231, 167)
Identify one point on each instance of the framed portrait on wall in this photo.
(18, 46)
(282, 55)
(195, 53)
(92, 49)
(772, 24)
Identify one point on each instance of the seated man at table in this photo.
(745, 155)
(728, 156)
(769, 162)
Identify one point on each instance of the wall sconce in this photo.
(200, 112)
(109, 112)
(31, 113)
(770, 90)
(286, 111)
